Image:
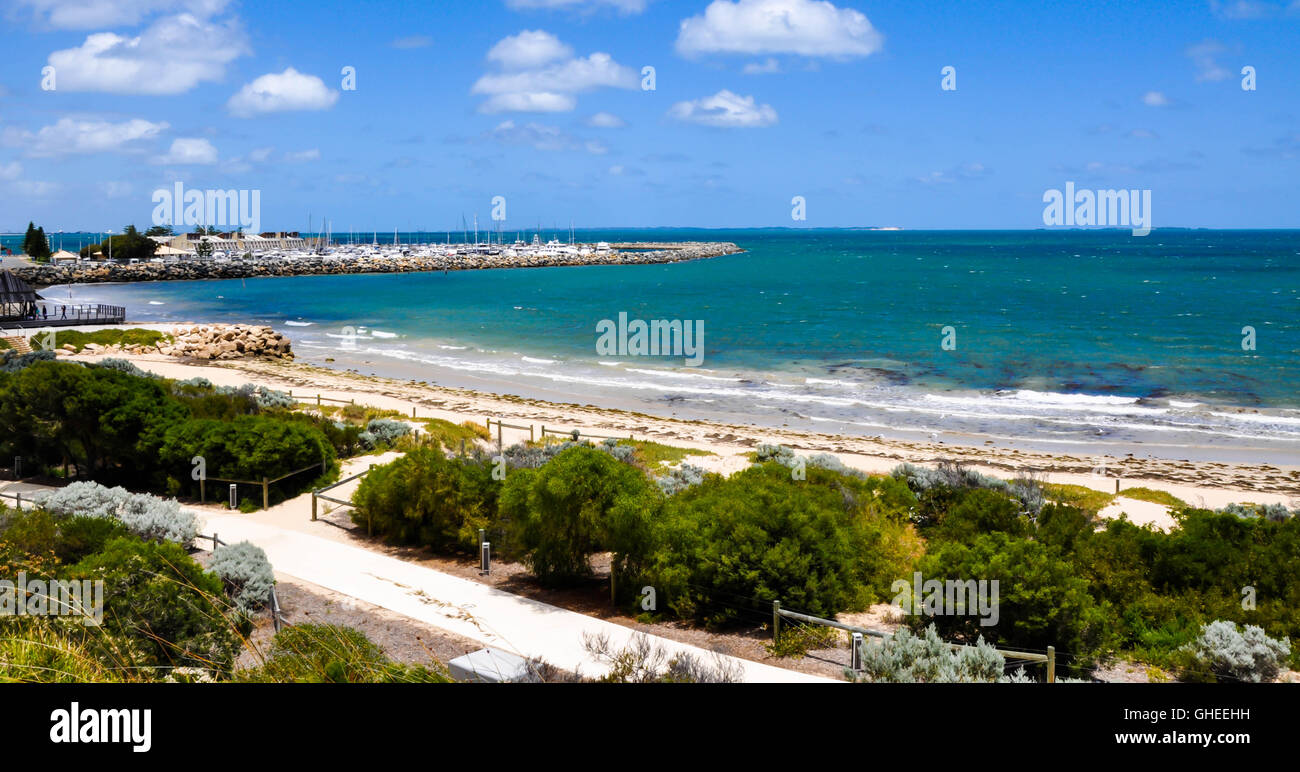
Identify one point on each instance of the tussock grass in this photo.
(1084, 498)
(1154, 496)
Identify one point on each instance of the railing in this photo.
(778, 613)
(266, 483)
(18, 497)
(320, 399)
(319, 493)
(543, 432)
(88, 312)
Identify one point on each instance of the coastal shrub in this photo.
(84, 498)
(726, 548)
(12, 362)
(429, 499)
(1042, 600)
(246, 573)
(80, 536)
(581, 502)
(906, 658)
(123, 365)
(383, 432)
(679, 479)
(1222, 650)
(110, 430)
(1275, 512)
(312, 653)
(148, 517)
(982, 511)
(152, 518)
(161, 609)
(247, 448)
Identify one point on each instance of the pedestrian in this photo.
(45, 312)
(65, 311)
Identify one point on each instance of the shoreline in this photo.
(1207, 484)
(636, 253)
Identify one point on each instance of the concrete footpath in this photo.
(476, 611)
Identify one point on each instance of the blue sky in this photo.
(541, 101)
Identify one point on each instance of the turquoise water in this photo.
(1064, 335)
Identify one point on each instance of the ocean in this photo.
(1183, 343)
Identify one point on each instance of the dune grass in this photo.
(1084, 498)
(1154, 496)
(132, 337)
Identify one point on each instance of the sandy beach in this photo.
(1208, 484)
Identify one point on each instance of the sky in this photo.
(411, 115)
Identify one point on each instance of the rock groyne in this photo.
(188, 269)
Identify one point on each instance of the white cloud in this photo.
(1155, 99)
(725, 109)
(70, 136)
(189, 151)
(88, 14)
(537, 102)
(528, 49)
(278, 92)
(537, 73)
(413, 41)
(1205, 56)
(813, 28)
(171, 56)
(260, 154)
(622, 6)
(604, 120)
(763, 68)
(303, 156)
(11, 171)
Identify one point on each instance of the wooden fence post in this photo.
(776, 619)
(203, 493)
(266, 494)
(317, 400)
(313, 503)
(531, 438)
(1051, 664)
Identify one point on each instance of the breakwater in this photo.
(310, 265)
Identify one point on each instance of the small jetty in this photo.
(22, 308)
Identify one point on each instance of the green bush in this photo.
(106, 422)
(429, 499)
(581, 502)
(161, 609)
(1042, 599)
(823, 545)
(247, 448)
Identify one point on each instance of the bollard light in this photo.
(485, 558)
(234, 501)
(856, 660)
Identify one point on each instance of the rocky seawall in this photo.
(194, 269)
(205, 342)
